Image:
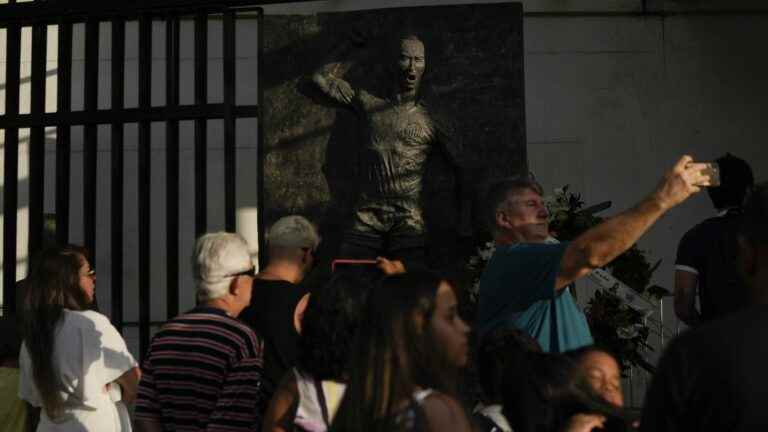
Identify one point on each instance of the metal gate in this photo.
(100, 20)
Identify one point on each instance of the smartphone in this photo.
(346, 263)
(712, 169)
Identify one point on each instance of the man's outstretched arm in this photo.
(601, 244)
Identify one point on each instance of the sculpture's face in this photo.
(411, 64)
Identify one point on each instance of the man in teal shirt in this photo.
(524, 284)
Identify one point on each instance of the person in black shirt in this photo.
(279, 298)
(713, 377)
(706, 255)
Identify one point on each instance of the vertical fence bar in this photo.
(90, 144)
(260, 154)
(11, 160)
(37, 141)
(145, 94)
(201, 126)
(230, 171)
(172, 167)
(63, 131)
(117, 194)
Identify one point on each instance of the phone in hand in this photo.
(712, 169)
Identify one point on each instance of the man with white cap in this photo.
(203, 370)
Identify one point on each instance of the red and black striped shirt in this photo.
(203, 372)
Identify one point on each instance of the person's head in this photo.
(223, 270)
(293, 239)
(331, 320)
(601, 371)
(753, 242)
(736, 180)
(59, 279)
(87, 272)
(546, 390)
(412, 337)
(409, 61)
(500, 350)
(516, 211)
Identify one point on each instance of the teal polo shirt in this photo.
(517, 290)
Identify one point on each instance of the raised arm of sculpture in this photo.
(328, 78)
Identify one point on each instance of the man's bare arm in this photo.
(599, 245)
(685, 297)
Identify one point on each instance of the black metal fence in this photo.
(43, 17)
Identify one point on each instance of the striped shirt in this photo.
(203, 372)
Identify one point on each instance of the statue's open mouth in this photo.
(410, 80)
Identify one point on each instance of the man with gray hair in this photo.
(203, 370)
(279, 298)
(524, 284)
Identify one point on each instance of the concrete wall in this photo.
(611, 102)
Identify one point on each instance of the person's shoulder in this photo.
(205, 323)
(441, 410)
(708, 226)
(85, 317)
(723, 335)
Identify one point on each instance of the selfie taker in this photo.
(524, 284)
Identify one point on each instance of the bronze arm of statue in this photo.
(327, 78)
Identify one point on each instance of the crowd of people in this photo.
(388, 351)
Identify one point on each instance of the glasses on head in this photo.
(250, 272)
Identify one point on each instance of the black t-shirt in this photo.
(270, 315)
(709, 249)
(713, 378)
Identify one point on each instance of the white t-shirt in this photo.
(89, 354)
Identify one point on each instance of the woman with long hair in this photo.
(74, 364)
(405, 360)
(309, 395)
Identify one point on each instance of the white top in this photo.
(309, 413)
(496, 414)
(89, 354)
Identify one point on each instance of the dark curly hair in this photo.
(330, 322)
